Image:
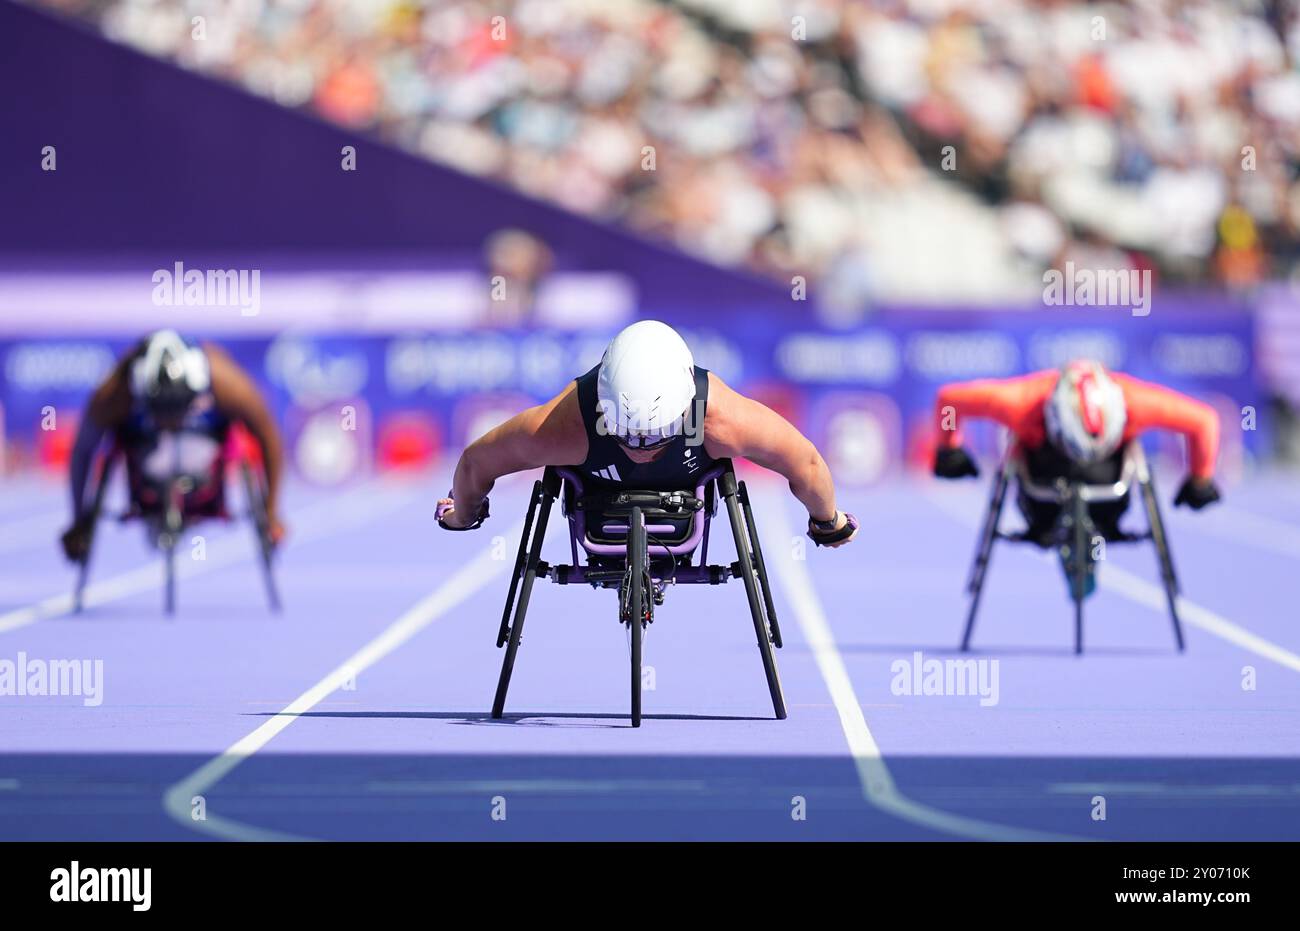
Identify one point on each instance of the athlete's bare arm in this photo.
(106, 410)
(550, 434)
(237, 397)
(735, 425)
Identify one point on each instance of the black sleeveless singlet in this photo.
(678, 467)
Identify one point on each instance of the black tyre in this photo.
(1161, 541)
(255, 495)
(516, 630)
(637, 581)
(521, 558)
(173, 524)
(745, 563)
(169, 558)
(96, 509)
(1081, 558)
(769, 605)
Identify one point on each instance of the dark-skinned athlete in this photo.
(169, 406)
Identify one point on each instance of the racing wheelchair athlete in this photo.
(638, 450)
(177, 415)
(1074, 456)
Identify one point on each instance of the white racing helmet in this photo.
(170, 373)
(1085, 413)
(646, 384)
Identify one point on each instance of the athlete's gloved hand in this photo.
(834, 533)
(275, 528)
(76, 539)
(448, 518)
(1196, 493)
(954, 462)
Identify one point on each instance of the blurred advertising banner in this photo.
(392, 371)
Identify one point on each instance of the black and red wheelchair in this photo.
(639, 543)
(1075, 533)
(172, 506)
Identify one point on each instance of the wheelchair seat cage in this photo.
(639, 543)
(171, 514)
(1074, 532)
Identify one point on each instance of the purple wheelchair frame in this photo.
(659, 563)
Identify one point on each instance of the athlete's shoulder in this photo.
(557, 427)
(725, 417)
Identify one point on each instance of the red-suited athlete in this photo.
(1073, 423)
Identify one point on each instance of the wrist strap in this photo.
(828, 537)
(478, 520)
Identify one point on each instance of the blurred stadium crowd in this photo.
(809, 138)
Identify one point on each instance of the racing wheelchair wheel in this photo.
(760, 567)
(744, 567)
(639, 606)
(169, 538)
(1081, 542)
(96, 510)
(544, 494)
(1160, 539)
(255, 496)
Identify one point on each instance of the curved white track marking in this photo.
(1139, 590)
(878, 786)
(354, 508)
(177, 800)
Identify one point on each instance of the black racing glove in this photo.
(76, 541)
(1196, 493)
(954, 462)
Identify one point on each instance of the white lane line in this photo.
(1200, 791)
(878, 786)
(322, 518)
(179, 798)
(1140, 591)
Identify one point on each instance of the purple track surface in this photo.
(362, 711)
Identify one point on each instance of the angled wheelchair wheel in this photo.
(543, 496)
(745, 566)
(255, 495)
(521, 557)
(760, 566)
(96, 509)
(984, 553)
(1160, 539)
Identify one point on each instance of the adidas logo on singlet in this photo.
(609, 474)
